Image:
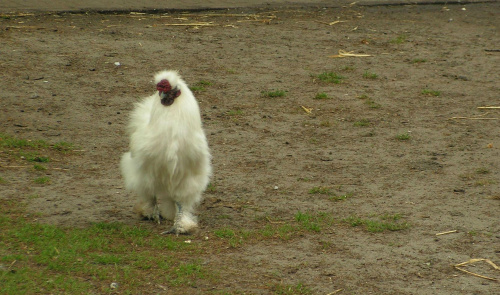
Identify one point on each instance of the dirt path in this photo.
(399, 144)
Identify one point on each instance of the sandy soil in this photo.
(60, 83)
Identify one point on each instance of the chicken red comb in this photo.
(163, 86)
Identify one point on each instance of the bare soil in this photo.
(61, 82)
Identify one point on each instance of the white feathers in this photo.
(169, 160)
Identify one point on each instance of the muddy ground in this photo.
(271, 157)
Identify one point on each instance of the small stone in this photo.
(118, 64)
(113, 285)
(275, 187)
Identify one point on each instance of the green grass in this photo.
(211, 188)
(380, 223)
(235, 113)
(327, 191)
(8, 141)
(372, 104)
(298, 289)
(38, 167)
(40, 159)
(275, 93)
(200, 86)
(482, 171)
(322, 95)
(362, 123)
(308, 221)
(399, 39)
(340, 197)
(369, 75)
(330, 77)
(348, 68)
(47, 259)
(403, 136)
(418, 60)
(320, 190)
(430, 92)
(63, 146)
(42, 180)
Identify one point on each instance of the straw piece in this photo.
(446, 232)
(343, 53)
(458, 266)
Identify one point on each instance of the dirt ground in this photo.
(271, 158)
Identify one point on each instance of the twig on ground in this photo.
(307, 110)
(274, 222)
(343, 53)
(488, 107)
(458, 266)
(190, 24)
(334, 292)
(446, 232)
(473, 118)
(331, 23)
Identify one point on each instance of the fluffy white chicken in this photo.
(168, 165)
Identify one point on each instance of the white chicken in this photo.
(168, 165)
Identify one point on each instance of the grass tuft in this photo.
(330, 77)
(362, 123)
(298, 289)
(390, 222)
(369, 75)
(399, 39)
(322, 95)
(276, 93)
(430, 92)
(403, 136)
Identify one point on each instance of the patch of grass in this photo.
(369, 75)
(39, 159)
(298, 289)
(485, 182)
(39, 167)
(211, 188)
(224, 233)
(348, 68)
(403, 136)
(63, 146)
(482, 171)
(47, 259)
(339, 197)
(200, 86)
(418, 60)
(430, 92)
(307, 221)
(235, 113)
(399, 39)
(370, 102)
(322, 95)
(235, 238)
(362, 123)
(187, 274)
(275, 93)
(42, 180)
(320, 190)
(390, 222)
(330, 77)
(12, 142)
